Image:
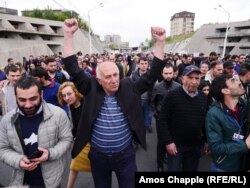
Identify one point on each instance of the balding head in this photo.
(107, 74)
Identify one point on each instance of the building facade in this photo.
(182, 23)
(24, 36)
(114, 42)
(210, 37)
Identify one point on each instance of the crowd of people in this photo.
(100, 106)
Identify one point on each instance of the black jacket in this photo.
(128, 98)
(160, 90)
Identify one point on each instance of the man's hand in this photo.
(26, 164)
(206, 149)
(44, 157)
(247, 141)
(70, 26)
(158, 34)
(171, 149)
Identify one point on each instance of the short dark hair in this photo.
(10, 68)
(217, 85)
(143, 58)
(49, 59)
(27, 82)
(9, 59)
(203, 84)
(175, 68)
(243, 70)
(79, 53)
(40, 72)
(213, 54)
(214, 64)
(169, 65)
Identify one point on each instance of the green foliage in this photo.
(50, 14)
(179, 38)
(151, 43)
(61, 16)
(113, 46)
(83, 24)
(170, 40)
(37, 13)
(144, 48)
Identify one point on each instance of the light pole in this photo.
(94, 8)
(225, 40)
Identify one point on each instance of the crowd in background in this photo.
(51, 73)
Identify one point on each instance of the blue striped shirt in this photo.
(111, 132)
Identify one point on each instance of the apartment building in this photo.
(182, 23)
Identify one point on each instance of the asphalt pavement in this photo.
(146, 162)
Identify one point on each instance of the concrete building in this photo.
(115, 42)
(182, 23)
(116, 39)
(23, 36)
(112, 40)
(210, 37)
(10, 11)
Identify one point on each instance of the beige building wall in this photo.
(181, 23)
(24, 36)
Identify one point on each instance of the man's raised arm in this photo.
(69, 28)
(159, 35)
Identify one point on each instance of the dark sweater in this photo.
(182, 118)
(29, 127)
(76, 114)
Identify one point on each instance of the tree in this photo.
(50, 14)
(37, 13)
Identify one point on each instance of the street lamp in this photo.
(94, 8)
(225, 40)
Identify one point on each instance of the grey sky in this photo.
(132, 18)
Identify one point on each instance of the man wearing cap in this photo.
(181, 122)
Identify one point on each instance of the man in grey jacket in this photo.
(35, 126)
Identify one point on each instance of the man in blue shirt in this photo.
(112, 115)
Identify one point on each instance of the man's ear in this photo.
(225, 91)
(99, 81)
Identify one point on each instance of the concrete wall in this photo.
(24, 36)
(210, 37)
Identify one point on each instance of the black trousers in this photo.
(160, 149)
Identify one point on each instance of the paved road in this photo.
(146, 161)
